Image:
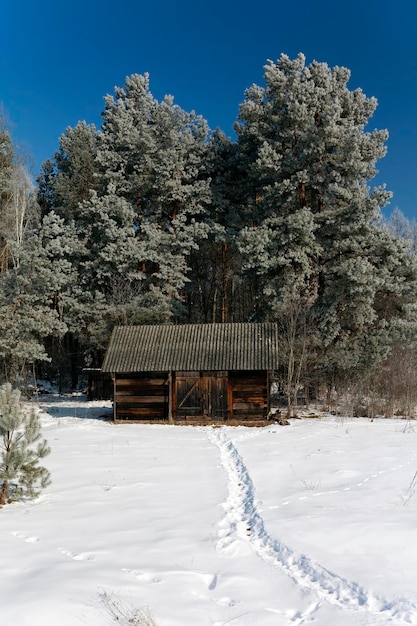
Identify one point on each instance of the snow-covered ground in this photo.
(314, 523)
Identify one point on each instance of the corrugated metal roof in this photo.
(191, 347)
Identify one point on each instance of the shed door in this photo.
(202, 394)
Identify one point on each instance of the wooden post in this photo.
(114, 398)
(229, 397)
(268, 393)
(170, 398)
(224, 283)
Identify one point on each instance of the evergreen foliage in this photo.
(153, 219)
(22, 449)
(314, 237)
(401, 227)
(68, 178)
(151, 154)
(137, 200)
(29, 275)
(31, 306)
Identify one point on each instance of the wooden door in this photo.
(201, 395)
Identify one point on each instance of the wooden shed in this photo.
(192, 372)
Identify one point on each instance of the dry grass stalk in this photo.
(127, 615)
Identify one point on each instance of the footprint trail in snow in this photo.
(243, 521)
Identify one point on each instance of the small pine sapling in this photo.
(20, 472)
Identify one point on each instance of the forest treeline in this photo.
(154, 218)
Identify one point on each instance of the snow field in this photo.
(309, 524)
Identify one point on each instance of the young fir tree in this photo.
(314, 238)
(22, 449)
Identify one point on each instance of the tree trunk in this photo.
(3, 492)
(224, 283)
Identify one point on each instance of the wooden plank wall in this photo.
(250, 397)
(141, 397)
(242, 396)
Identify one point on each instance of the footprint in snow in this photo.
(25, 537)
(301, 617)
(82, 556)
(143, 577)
(242, 512)
(209, 580)
(226, 602)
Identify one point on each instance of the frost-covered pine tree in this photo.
(217, 291)
(114, 288)
(313, 236)
(309, 160)
(21, 448)
(28, 279)
(151, 153)
(31, 306)
(7, 163)
(68, 178)
(402, 227)
(136, 196)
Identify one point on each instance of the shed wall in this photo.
(195, 396)
(250, 395)
(141, 397)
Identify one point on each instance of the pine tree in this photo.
(7, 168)
(136, 197)
(151, 156)
(21, 446)
(28, 279)
(402, 227)
(31, 303)
(216, 292)
(113, 288)
(68, 179)
(314, 237)
(7, 162)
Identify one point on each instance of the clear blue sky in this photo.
(58, 59)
